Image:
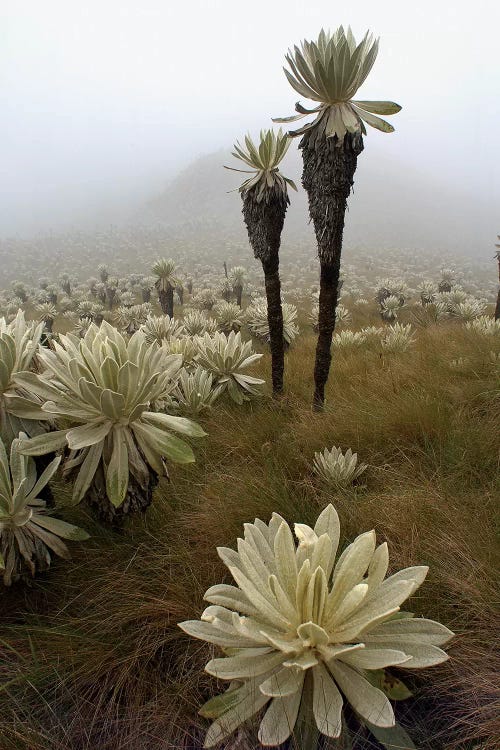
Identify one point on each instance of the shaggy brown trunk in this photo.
(328, 294)
(238, 290)
(110, 297)
(264, 222)
(146, 295)
(137, 500)
(328, 177)
(166, 299)
(275, 321)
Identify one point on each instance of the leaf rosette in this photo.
(303, 625)
(28, 531)
(105, 390)
(330, 71)
(19, 343)
(264, 159)
(227, 358)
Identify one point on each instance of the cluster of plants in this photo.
(111, 407)
(103, 383)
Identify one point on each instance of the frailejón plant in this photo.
(258, 321)
(28, 531)
(329, 71)
(302, 626)
(265, 202)
(104, 390)
(19, 342)
(336, 468)
(227, 358)
(195, 392)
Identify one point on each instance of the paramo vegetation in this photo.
(163, 422)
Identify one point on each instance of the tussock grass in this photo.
(91, 654)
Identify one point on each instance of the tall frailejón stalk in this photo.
(265, 201)
(166, 282)
(330, 71)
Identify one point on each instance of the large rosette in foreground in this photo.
(301, 625)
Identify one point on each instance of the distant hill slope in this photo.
(393, 205)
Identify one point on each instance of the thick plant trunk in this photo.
(137, 500)
(275, 321)
(328, 295)
(110, 297)
(328, 177)
(166, 299)
(146, 295)
(238, 290)
(264, 222)
(170, 302)
(444, 286)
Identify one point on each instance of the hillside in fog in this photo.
(393, 203)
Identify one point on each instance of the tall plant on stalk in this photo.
(165, 284)
(265, 201)
(330, 71)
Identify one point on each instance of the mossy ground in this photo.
(91, 655)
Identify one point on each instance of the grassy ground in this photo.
(91, 656)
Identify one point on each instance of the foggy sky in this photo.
(103, 100)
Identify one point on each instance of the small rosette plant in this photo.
(28, 530)
(305, 628)
(336, 468)
(105, 393)
(227, 358)
(19, 343)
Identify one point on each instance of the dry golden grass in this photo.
(92, 655)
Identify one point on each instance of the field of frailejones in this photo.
(109, 392)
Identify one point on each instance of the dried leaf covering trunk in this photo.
(21, 569)
(238, 290)
(328, 177)
(137, 500)
(110, 297)
(264, 222)
(166, 299)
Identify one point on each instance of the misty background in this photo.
(125, 111)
